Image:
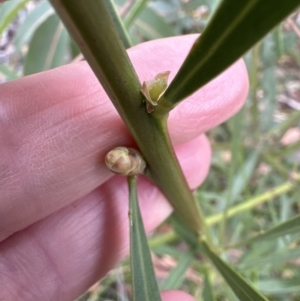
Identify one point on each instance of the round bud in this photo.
(125, 161)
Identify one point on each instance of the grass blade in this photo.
(280, 286)
(9, 11)
(291, 226)
(235, 27)
(143, 277)
(177, 275)
(152, 26)
(275, 259)
(208, 294)
(243, 289)
(135, 10)
(119, 25)
(243, 175)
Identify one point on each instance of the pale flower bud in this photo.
(154, 89)
(125, 161)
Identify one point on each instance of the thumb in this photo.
(176, 296)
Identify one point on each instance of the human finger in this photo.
(59, 257)
(57, 126)
(176, 296)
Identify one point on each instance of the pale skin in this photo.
(63, 215)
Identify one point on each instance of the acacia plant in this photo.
(236, 26)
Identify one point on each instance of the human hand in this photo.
(63, 215)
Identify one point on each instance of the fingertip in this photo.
(194, 157)
(166, 54)
(211, 105)
(176, 296)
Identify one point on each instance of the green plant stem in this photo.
(257, 200)
(162, 239)
(236, 152)
(275, 164)
(134, 11)
(91, 24)
(278, 38)
(235, 210)
(254, 87)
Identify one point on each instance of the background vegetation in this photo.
(254, 180)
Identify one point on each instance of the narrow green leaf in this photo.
(257, 251)
(9, 11)
(269, 80)
(243, 175)
(144, 283)
(235, 27)
(291, 226)
(241, 287)
(48, 47)
(207, 294)
(119, 25)
(177, 275)
(134, 11)
(278, 40)
(166, 249)
(274, 259)
(280, 286)
(152, 26)
(33, 20)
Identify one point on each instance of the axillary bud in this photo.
(154, 89)
(125, 161)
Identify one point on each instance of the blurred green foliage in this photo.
(256, 155)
